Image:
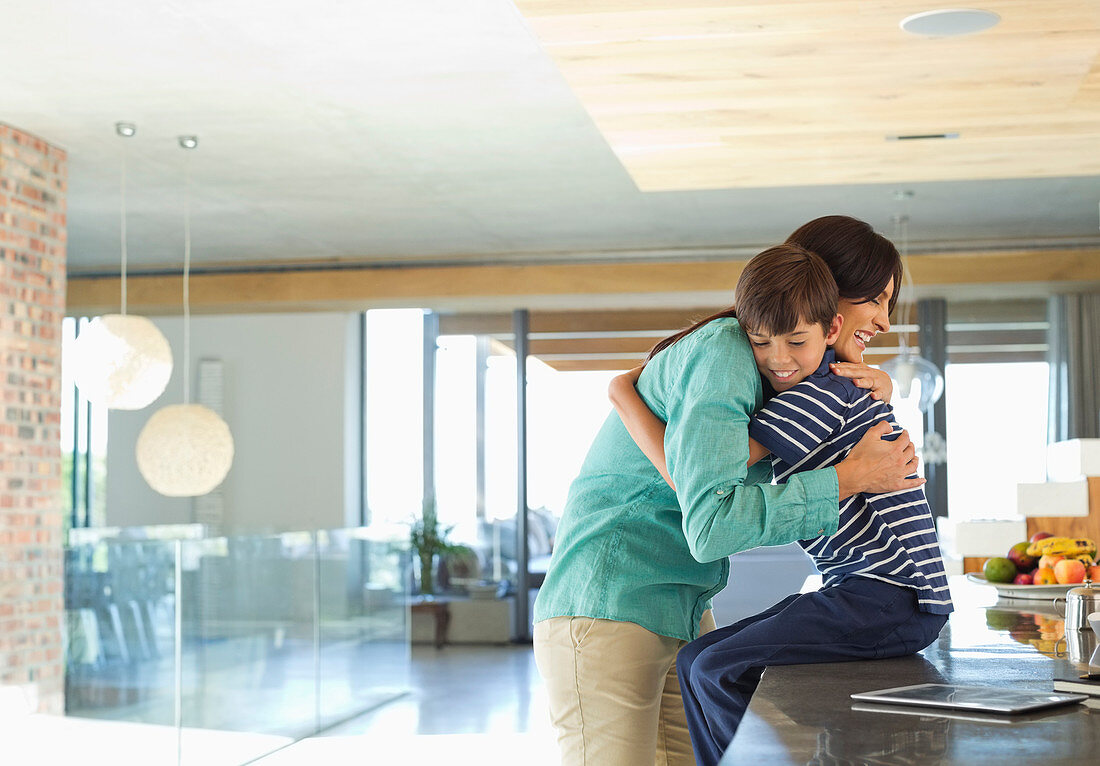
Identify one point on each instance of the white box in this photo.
(1053, 498)
(473, 621)
(482, 621)
(1073, 459)
(984, 538)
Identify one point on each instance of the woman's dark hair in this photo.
(783, 286)
(777, 289)
(862, 261)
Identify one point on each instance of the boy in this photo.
(885, 591)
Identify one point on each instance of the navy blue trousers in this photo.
(857, 619)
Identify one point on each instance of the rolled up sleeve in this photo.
(713, 388)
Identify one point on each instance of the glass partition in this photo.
(231, 647)
(363, 629)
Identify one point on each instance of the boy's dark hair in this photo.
(783, 286)
(777, 289)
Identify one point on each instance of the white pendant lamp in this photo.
(909, 369)
(185, 450)
(121, 361)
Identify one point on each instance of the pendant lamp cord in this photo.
(122, 227)
(905, 300)
(187, 279)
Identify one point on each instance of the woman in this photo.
(636, 563)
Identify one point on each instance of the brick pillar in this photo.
(32, 303)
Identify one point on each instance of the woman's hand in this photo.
(882, 388)
(876, 465)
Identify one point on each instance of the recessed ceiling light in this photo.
(949, 22)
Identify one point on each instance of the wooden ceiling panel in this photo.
(722, 95)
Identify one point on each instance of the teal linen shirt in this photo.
(629, 548)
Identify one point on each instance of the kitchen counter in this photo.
(803, 714)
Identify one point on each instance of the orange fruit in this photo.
(1094, 573)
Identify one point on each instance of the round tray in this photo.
(1026, 592)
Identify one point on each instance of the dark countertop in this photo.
(803, 715)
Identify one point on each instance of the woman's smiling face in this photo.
(863, 320)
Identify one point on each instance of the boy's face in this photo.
(785, 360)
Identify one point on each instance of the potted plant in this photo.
(428, 539)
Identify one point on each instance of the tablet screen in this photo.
(987, 698)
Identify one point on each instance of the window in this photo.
(565, 411)
(996, 435)
(395, 414)
(83, 444)
(456, 428)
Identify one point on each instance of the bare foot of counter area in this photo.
(803, 714)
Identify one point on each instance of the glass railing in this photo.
(226, 648)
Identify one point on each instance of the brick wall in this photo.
(32, 302)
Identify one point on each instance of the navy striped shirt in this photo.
(889, 537)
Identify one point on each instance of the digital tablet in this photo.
(968, 716)
(988, 699)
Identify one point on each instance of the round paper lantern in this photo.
(122, 361)
(907, 368)
(185, 450)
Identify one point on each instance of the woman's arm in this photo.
(876, 465)
(711, 390)
(646, 429)
(882, 388)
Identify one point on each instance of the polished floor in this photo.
(476, 705)
(465, 705)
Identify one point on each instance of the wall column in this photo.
(32, 304)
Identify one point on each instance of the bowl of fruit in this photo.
(1041, 567)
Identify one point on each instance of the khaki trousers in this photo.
(614, 696)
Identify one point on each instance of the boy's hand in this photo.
(882, 388)
(875, 465)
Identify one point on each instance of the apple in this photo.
(1040, 536)
(1018, 555)
(1048, 561)
(1024, 578)
(1069, 571)
(1093, 573)
(1044, 576)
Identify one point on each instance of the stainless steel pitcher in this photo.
(1080, 602)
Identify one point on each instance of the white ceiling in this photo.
(399, 129)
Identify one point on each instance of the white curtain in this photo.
(1074, 354)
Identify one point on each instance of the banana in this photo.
(1062, 546)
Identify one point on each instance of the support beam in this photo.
(521, 631)
(932, 317)
(360, 357)
(481, 367)
(431, 341)
(259, 287)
